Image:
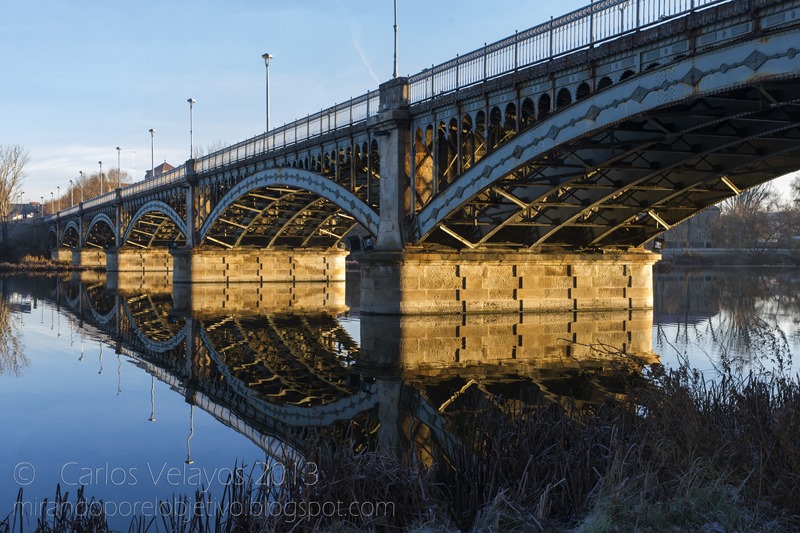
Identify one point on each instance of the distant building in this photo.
(160, 169)
(694, 232)
(25, 211)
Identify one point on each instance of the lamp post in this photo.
(71, 194)
(42, 199)
(267, 56)
(52, 202)
(80, 182)
(58, 196)
(394, 75)
(152, 153)
(101, 177)
(119, 169)
(191, 101)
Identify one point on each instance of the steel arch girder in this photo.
(716, 71)
(302, 180)
(154, 206)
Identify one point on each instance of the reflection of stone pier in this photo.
(545, 339)
(417, 283)
(260, 298)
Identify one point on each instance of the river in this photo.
(120, 392)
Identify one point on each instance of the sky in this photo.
(79, 78)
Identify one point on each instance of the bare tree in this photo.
(12, 165)
(12, 353)
(756, 219)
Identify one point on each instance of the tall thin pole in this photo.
(395, 39)
(267, 56)
(58, 196)
(81, 184)
(42, 199)
(191, 101)
(71, 194)
(152, 153)
(119, 169)
(101, 177)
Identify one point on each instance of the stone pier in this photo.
(141, 260)
(89, 257)
(61, 255)
(249, 265)
(425, 283)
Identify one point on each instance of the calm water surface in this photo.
(139, 396)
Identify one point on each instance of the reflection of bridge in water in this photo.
(281, 370)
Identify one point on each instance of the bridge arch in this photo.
(155, 223)
(285, 206)
(624, 164)
(101, 232)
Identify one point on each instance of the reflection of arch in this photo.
(101, 230)
(343, 408)
(167, 227)
(286, 206)
(173, 338)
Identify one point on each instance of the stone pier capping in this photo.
(420, 283)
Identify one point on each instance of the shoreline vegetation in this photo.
(28, 264)
(677, 453)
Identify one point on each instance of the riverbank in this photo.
(37, 265)
(727, 257)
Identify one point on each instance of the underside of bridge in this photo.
(279, 217)
(624, 184)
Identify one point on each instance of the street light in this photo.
(101, 177)
(71, 194)
(58, 188)
(152, 153)
(191, 101)
(42, 199)
(52, 202)
(80, 182)
(267, 56)
(119, 169)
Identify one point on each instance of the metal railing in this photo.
(581, 29)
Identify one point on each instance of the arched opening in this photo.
(528, 115)
(467, 142)
(480, 135)
(423, 167)
(563, 98)
(544, 106)
(627, 74)
(495, 129)
(583, 91)
(510, 124)
(604, 82)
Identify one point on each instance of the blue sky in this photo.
(80, 78)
